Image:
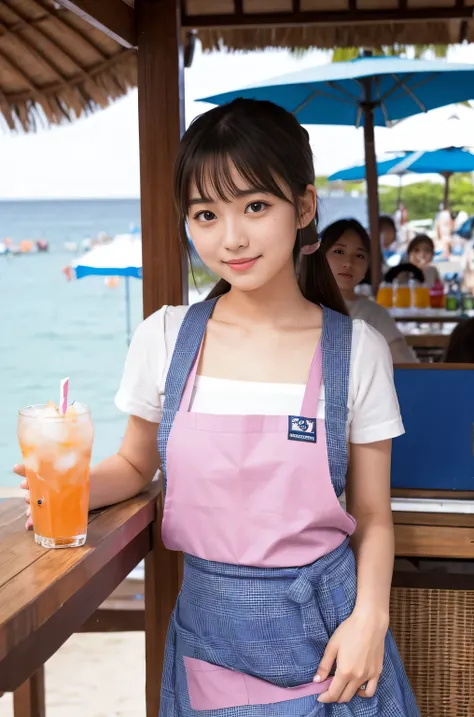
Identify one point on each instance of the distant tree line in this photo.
(422, 199)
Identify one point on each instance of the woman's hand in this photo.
(19, 469)
(358, 648)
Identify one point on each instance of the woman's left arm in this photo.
(358, 644)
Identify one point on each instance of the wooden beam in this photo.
(347, 17)
(114, 17)
(161, 121)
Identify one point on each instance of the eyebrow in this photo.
(237, 195)
(344, 246)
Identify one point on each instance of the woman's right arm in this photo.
(129, 471)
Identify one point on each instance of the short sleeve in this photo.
(375, 411)
(139, 392)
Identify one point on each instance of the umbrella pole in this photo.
(372, 188)
(127, 310)
(447, 177)
(400, 180)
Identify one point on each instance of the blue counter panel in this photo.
(437, 451)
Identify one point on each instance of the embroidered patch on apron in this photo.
(301, 429)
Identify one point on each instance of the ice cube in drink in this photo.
(56, 451)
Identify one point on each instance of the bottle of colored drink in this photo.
(421, 297)
(437, 295)
(402, 296)
(385, 295)
(56, 449)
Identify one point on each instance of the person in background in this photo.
(420, 253)
(347, 247)
(388, 236)
(467, 267)
(401, 222)
(461, 343)
(444, 229)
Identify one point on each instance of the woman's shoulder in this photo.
(160, 328)
(376, 318)
(365, 337)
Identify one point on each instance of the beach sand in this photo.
(94, 675)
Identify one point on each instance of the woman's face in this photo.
(422, 256)
(249, 239)
(349, 260)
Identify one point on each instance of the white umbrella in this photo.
(120, 257)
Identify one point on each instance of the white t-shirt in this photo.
(374, 413)
(378, 317)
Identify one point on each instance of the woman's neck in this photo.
(278, 303)
(348, 294)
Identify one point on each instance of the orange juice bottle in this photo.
(421, 297)
(385, 296)
(56, 451)
(402, 296)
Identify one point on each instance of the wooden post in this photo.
(161, 122)
(372, 185)
(28, 699)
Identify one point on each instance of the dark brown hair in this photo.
(418, 241)
(386, 220)
(267, 146)
(333, 232)
(461, 343)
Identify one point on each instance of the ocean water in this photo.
(51, 328)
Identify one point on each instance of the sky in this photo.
(98, 156)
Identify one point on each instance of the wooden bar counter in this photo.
(47, 595)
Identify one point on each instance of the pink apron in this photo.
(252, 490)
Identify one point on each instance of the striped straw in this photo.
(63, 396)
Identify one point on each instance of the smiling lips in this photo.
(242, 264)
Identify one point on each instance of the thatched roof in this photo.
(54, 66)
(370, 35)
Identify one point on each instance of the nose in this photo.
(235, 236)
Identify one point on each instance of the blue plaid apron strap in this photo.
(336, 345)
(189, 339)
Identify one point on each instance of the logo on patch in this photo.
(301, 429)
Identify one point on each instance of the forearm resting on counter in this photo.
(114, 480)
(129, 471)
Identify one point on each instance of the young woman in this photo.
(420, 253)
(347, 248)
(257, 394)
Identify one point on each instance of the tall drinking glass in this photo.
(56, 451)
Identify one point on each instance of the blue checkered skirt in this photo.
(272, 623)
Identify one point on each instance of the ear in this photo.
(307, 207)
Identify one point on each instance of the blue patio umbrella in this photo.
(448, 161)
(368, 91)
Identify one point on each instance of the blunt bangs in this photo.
(213, 162)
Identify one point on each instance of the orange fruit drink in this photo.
(403, 297)
(385, 296)
(56, 451)
(422, 297)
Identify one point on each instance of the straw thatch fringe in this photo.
(332, 36)
(54, 67)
